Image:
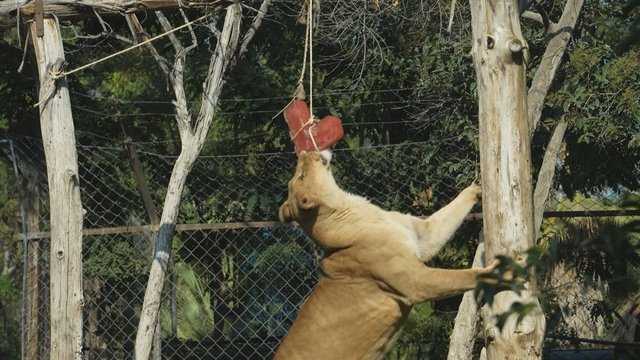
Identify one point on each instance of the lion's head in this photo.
(311, 181)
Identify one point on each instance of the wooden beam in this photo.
(71, 9)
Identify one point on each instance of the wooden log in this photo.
(70, 9)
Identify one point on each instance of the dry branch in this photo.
(558, 37)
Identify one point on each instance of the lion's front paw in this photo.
(505, 273)
(475, 191)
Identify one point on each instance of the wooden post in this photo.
(33, 274)
(500, 54)
(59, 140)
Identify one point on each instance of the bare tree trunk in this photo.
(152, 213)
(557, 39)
(465, 327)
(500, 54)
(58, 136)
(192, 138)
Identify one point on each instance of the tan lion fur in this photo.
(373, 265)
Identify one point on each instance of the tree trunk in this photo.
(192, 137)
(159, 266)
(58, 136)
(557, 39)
(499, 55)
(465, 329)
(152, 213)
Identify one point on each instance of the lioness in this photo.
(373, 265)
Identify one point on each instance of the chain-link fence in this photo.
(237, 276)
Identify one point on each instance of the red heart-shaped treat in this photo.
(315, 135)
(296, 114)
(322, 134)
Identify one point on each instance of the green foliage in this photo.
(517, 309)
(598, 90)
(425, 335)
(9, 290)
(509, 274)
(600, 248)
(603, 253)
(9, 318)
(194, 308)
(118, 258)
(18, 91)
(9, 293)
(9, 203)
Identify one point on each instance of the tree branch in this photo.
(559, 35)
(543, 14)
(225, 48)
(546, 173)
(248, 36)
(533, 16)
(162, 62)
(176, 77)
(166, 26)
(452, 10)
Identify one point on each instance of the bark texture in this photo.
(500, 54)
(558, 35)
(465, 330)
(59, 141)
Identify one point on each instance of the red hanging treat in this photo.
(311, 135)
(296, 114)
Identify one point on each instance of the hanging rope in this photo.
(299, 94)
(308, 48)
(310, 38)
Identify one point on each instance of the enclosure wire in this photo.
(65, 73)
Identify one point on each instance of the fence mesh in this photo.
(237, 277)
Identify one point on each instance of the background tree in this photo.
(192, 135)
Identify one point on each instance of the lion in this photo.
(373, 268)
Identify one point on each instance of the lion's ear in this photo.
(285, 213)
(306, 201)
